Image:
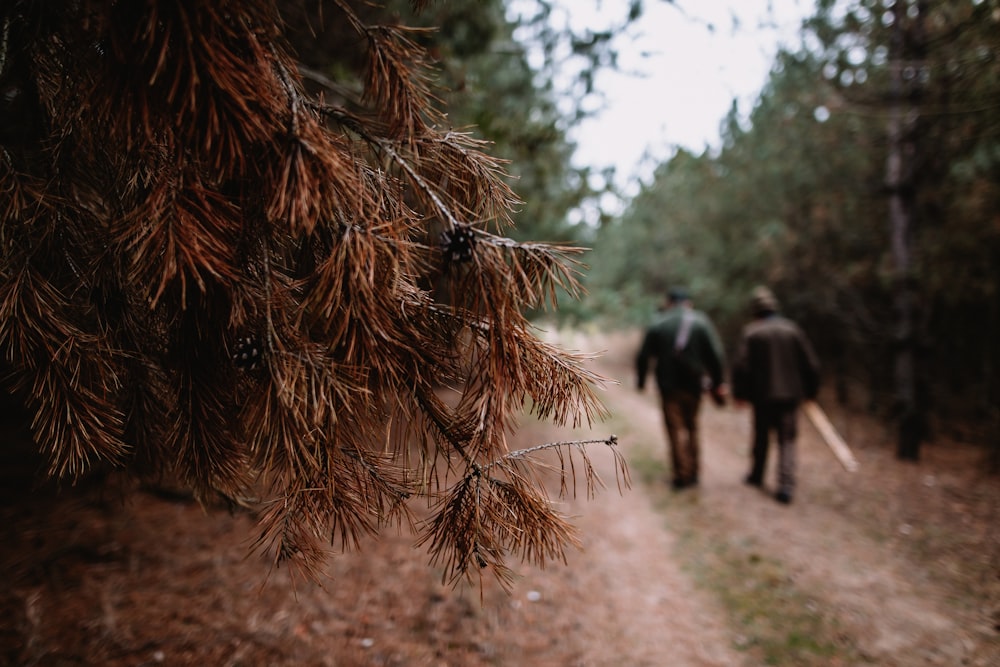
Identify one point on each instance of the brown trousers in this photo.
(680, 415)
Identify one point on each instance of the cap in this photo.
(763, 301)
(679, 294)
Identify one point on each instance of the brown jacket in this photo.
(775, 363)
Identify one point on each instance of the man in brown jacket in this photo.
(775, 370)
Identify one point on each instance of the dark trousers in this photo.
(680, 415)
(782, 418)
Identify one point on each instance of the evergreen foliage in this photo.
(214, 269)
(796, 197)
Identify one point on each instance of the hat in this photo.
(763, 301)
(678, 294)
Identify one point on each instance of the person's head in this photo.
(763, 302)
(677, 296)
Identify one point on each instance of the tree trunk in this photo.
(905, 83)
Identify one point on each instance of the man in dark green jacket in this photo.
(775, 370)
(687, 353)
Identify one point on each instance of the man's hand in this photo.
(719, 394)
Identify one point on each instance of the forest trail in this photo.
(894, 565)
(826, 579)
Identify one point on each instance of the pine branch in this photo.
(473, 183)
(469, 176)
(357, 497)
(184, 233)
(396, 82)
(181, 70)
(484, 517)
(206, 272)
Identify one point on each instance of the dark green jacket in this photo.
(681, 369)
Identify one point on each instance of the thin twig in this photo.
(610, 441)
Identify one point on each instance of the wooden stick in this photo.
(830, 435)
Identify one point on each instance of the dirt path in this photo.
(833, 557)
(894, 565)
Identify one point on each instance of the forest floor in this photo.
(897, 564)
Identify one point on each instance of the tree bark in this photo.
(905, 82)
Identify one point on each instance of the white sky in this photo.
(692, 73)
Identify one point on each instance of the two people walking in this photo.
(775, 369)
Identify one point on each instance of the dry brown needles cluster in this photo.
(210, 273)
